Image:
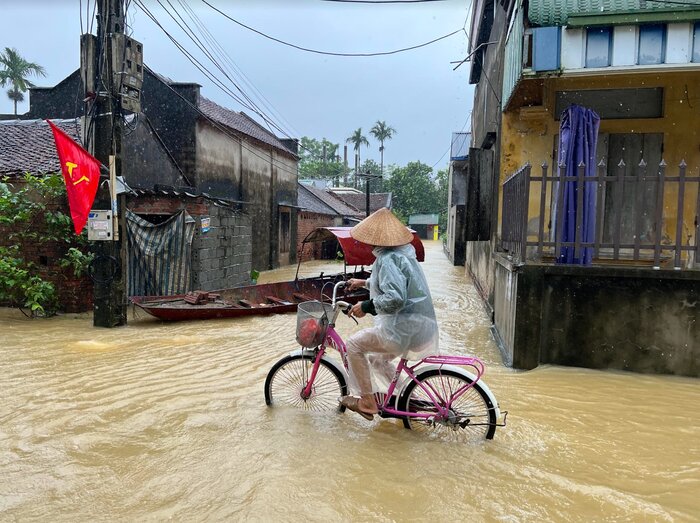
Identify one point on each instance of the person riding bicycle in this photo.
(404, 325)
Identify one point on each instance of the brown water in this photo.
(161, 421)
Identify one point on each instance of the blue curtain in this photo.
(578, 135)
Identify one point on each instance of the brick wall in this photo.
(74, 293)
(307, 222)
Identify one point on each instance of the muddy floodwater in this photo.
(158, 421)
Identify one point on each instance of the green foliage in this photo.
(311, 163)
(31, 214)
(15, 72)
(76, 260)
(414, 191)
(21, 288)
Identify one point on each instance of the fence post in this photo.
(525, 211)
(580, 190)
(599, 209)
(618, 213)
(543, 196)
(559, 228)
(659, 212)
(641, 180)
(679, 221)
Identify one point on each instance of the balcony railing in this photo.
(641, 217)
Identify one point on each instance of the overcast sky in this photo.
(306, 94)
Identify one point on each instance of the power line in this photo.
(205, 70)
(384, 1)
(218, 48)
(469, 117)
(329, 53)
(231, 133)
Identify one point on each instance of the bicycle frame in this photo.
(442, 407)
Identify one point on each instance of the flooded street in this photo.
(155, 421)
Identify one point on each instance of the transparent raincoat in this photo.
(405, 320)
(405, 313)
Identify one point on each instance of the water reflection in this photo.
(155, 421)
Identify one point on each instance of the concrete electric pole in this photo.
(112, 74)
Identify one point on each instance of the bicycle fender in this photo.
(463, 372)
(310, 352)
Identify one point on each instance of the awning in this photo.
(356, 253)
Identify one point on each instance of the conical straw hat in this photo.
(383, 229)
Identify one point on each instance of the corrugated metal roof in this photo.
(556, 12)
(423, 219)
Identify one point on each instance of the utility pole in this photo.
(345, 165)
(110, 86)
(368, 176)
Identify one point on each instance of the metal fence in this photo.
(643, 216)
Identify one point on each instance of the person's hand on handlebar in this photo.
(356, 311)
(356, 283)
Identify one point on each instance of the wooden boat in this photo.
(266, 298)
(271, 298)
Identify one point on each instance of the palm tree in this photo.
(357, 139)
(381, 131)
(15, 73)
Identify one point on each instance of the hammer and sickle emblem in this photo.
(72, 166)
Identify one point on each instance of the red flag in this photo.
(81, 172)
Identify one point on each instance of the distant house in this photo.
(358, 199)
(426, 225)
(320, 208)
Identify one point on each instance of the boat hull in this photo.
(250, 300)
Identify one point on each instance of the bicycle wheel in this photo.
(471, 415)
(287, 378)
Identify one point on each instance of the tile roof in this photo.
(323, 199)
(28, 146)
(240, 122)
(359, 201)
(309, 202)
(331, 199)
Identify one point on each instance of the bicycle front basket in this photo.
(312, 323)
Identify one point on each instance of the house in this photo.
(217, 255)
(220, 153)
(637, 65)
(426, 225)
(358, 199)
(455, 243)
(320, 208)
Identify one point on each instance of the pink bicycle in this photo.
(436, 394)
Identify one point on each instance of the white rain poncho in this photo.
(401, 297)
(405, 324)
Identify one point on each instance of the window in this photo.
(696, 43)
(652, 44)
(598, 46)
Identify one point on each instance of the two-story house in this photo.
(636, 64)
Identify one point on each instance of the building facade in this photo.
(635, 64)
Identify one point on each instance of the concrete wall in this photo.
(633, 319)
(218, 162)
(221, 257)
